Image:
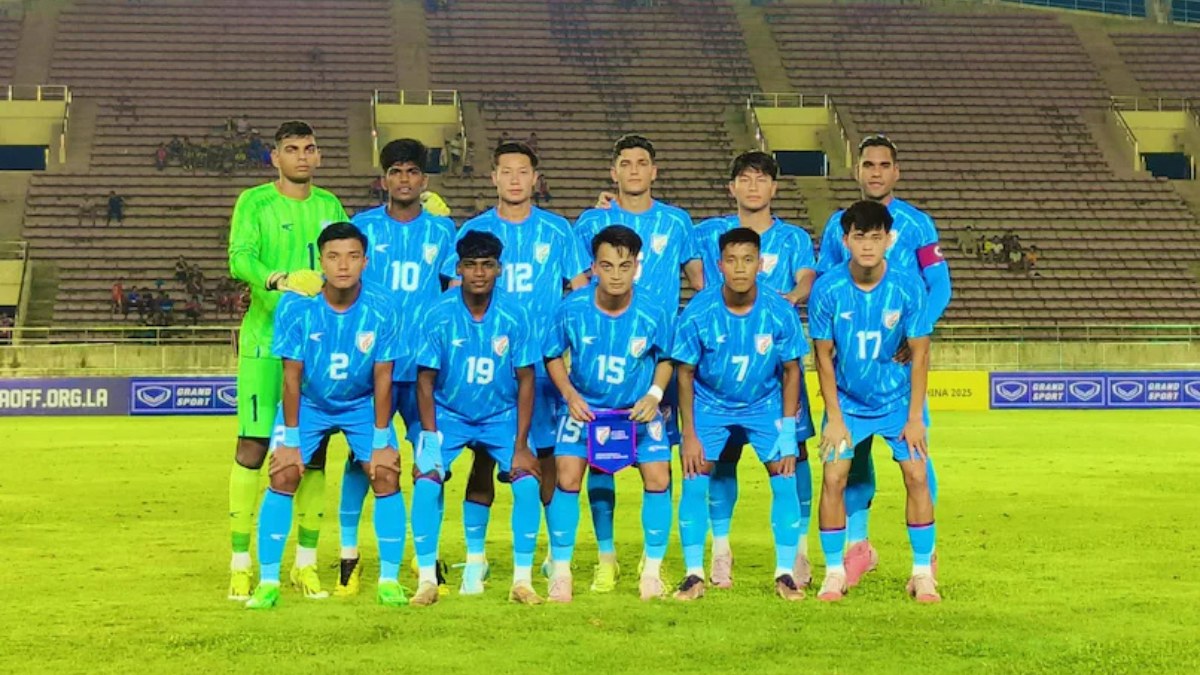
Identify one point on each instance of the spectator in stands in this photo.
(243, 126)
(1029, 261)
(968, 243)
(481, 203)
(379, 193)
(468, 167)
(133, 300)
(118, 299)
(192, 309)
(160, 157)
(87, 209)
(126, 108)
(116, 208)
(6, 328)
(165, 306)
(541, 190)
(532, 142)
(174, 149)
(181, 270)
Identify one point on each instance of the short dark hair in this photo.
(619, 237)
(403, 151)
(739, 235)
(343, 230)
(866, 216)
(478, 244)
(514, 148)
(630, 141)
(877, 141)
(754, 159)
(293, 129)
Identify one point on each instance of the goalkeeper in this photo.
(273, 248)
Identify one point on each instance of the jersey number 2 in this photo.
(338, 363)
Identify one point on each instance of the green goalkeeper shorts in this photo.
(259, 389)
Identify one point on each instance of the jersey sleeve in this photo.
(582, 232)
(390, 345)
(557, 342)
(664, 336)
(430, 347)
(450, 264)
(820, 314)
(686, 343)
(793, 345)
(832, 254)
(578, 258)
(288, 341)
(339, 211)
(691, 245)
(802, 254)
(526, 351)
(916, 319)
(245, 249)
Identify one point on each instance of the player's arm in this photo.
(935, 270)
(694, 271)
(576, 406)
(579, 281)
(914, 430)
(382, 373)
(835, 433)
(245, 262)
(831, 254)
(647, 406)
(426, 377)
(691, 452)
(287, 454)
(523, 456)
(800, 292)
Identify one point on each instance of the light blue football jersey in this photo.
(866, 328)
(612, 357)
(477, 360)
(339, 349)
(738, 358)
(786, 249)
(668, 242)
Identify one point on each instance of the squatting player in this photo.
(787, 267)
(338, 349)
(273, 248)
(913, 246)
(619, 339)
(668, 244)
(540, 256)
(859, 314)
(408, 247)
(737, 348)
(475, 388)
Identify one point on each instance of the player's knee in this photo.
(286, 481)
(834, 477)
(916, 477)
(569, 478)
(484, 497)
(385, 482)
(251, 453)
(656, 477)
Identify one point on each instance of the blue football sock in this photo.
(475, 524)
(931, 478)
(833, 546)
(860, 490)
(656, 523)
(526, 520)
(426, 519)
(563, 517)
(390, 526)
(722, 497)
(693, 521)
(355, 485)
(602, 497)
(274, 525)
(804, 491)
(922, 537)
(785, 521)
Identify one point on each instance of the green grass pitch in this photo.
(1067, 544)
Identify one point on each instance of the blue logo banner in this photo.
(183, 396)
(1095, 390)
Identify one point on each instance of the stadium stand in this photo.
(10, 35)
(1164, 63)
(184, 69)
(988, 110)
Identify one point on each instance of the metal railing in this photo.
(1150, 103)
(35, 92)
(14, 250)
(787, 100)
(131, 335)
(1123, 8)
(1138, 163)
(429, 97)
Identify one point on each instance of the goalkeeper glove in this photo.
(305, 282)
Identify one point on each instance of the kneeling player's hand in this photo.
(787, 466)
(834, 437)
(579, 409)
(284, 457)
(305, 282)
(384, 460)
(525, 460)
(645, 410)
(914, 436)
(903, 353)
(691, 456)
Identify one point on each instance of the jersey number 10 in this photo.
(405, 276)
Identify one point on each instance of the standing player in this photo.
(475, 388)
(859, 314)
(338, 350)
(738, 349)
(913, 246)
(408, 247)
(787, 267)
(273, 248)
(620, 342)
(540, 256)
(668, 236)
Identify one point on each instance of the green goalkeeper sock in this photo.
(310, 507)
(243, 498)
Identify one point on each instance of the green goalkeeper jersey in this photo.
(272, 233)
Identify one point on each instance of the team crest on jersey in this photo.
(541, 252)
(365, 340)
(891, 317)
(430, 252)
(763, 343)
(656, 430)
(602, 434)
(658, 242)
(769, 261)
(500, 345)
(637, 347)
